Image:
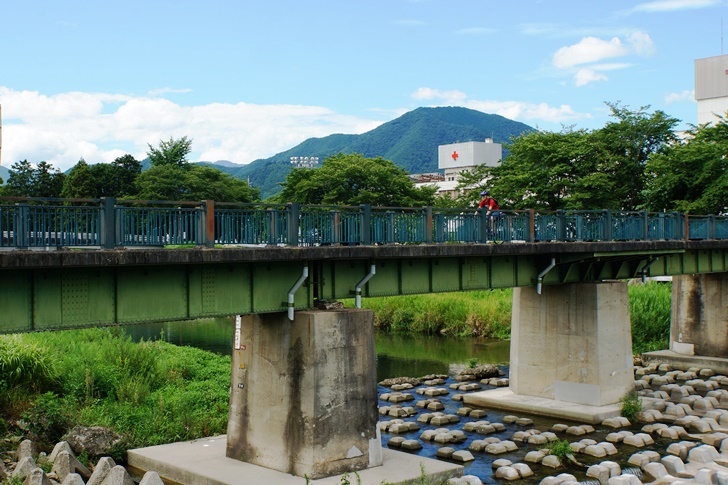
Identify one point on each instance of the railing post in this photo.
(366, 224)
(607, 225)
(336, 230)
(560, 225)
(428, 225)
(22, 225)
(293, 223)
(645, 226)
(531, 233)
(206, 230)
(687, 227)
(483, 236)
(107, 223)
(711, 227)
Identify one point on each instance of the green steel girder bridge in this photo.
(82, 262)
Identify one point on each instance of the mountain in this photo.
(4, 173)
(410, 141)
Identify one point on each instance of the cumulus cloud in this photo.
(687, 95)
(515, 110)
(99, 127)
(579, 59)
(585, 75)
(673, 5)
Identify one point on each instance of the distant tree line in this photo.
(635, 162)
(170, 177)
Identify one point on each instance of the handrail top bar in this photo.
(48, 199)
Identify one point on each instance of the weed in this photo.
(561, 449)
(631, 405)
(472, 363)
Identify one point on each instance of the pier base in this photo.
(304, 393)
(571, 346)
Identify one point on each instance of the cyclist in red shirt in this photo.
(488, 203)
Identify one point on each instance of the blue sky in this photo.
(248, 79)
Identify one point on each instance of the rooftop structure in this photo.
(711, 87)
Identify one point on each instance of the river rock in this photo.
(94, 440)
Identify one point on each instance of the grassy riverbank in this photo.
(149, 392)
(488, 314)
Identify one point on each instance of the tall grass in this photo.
(471, 314)
(488, 314)
(650, 309)
(148, 392)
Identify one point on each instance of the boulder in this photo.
(94, 440)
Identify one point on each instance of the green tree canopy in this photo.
(581, 169)
(353, 179)
(691, 175)
(41, 181)
(170, 152)
(171, 182)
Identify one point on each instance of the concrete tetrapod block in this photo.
(73, 479)
(66, 463)
(24, 467)
(599, 472)
(703, 454)
(37, 477)
(103, 467)
(26, 448)
(118, 476)
(151, 478)
(60, 446)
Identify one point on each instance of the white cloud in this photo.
(687, 95)
(585, 75)
(99, 127)
(673, 5)
(589, 49)
(579, 59)
(453, 96)
(514, 110)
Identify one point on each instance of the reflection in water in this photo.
(397, 355)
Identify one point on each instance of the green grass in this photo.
(488, 314)
(466, 314)
(149, 392)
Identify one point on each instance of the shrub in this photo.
(631, 405)
(561, 449)
(48, 418)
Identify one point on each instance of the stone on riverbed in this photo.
(445, 452)
(400, 380)
(673, 464)
(412, 445)
(463, 456)
(703, 454)
(465, 480)
(395, 441)
(507, 473)
(616, 422)
(551, 461)
(563, 478)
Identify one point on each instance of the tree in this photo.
(78, 183)
(126, 169)
(353, 179)
(20, 182)
(628, 143)
(582, 169)
(171, 182)
(171, 152)
(691, 175)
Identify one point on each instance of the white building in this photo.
(458, 157)
(711, 87)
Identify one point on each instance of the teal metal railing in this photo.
(110, 223)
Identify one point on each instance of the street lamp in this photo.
(304, 162)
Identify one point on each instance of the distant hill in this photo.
(410, 141)
(4, 173)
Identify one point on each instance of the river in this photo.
(397, 355)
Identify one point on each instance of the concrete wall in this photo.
(699, 324)
(303, 397)
(572, 343)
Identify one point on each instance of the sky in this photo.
(248, 79)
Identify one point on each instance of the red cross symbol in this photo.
(455, 155)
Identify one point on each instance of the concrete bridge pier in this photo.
(699, 323)
(304, 393)
(571, 352)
